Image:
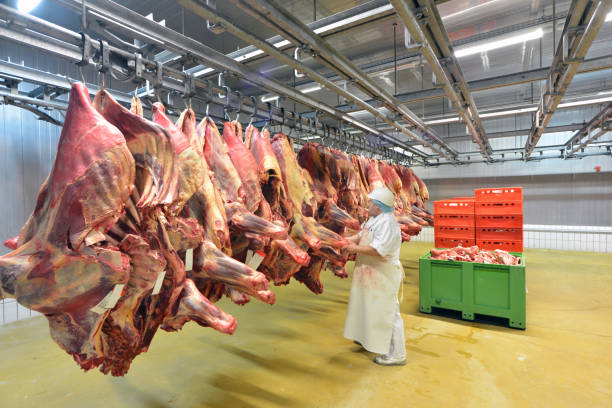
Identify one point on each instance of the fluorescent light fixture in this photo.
(469, 10)
(604, 92)
(356, 17)
(609, 16)
(508, 112)
(310, 89)
(202, 72)
(25, 6)
(585, 102)
(442, 121)
(493, 45)
(269, 98)
(284, 43)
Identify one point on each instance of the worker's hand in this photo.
(352, 248)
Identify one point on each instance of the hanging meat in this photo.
(128, 199)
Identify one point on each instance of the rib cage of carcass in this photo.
(128, 198)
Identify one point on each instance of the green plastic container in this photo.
(474, 288)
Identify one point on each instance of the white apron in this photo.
(369, 318)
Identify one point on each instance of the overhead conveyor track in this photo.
(584, 19)
(273, 15)
(424, 24)
(590, 132)
(49, 37)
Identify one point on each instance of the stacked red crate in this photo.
(499, 218)
(454, 222)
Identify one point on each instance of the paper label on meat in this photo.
(255, 260)
(109, 301)
(158, 282)
(189, 259)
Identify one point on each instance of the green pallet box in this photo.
(474, 288)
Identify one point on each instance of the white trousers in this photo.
(397, 349)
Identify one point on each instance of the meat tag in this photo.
(158, 283)
(256, 259)
(249, 256)
(109, 301)
(189, 259)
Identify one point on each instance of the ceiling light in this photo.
(585, 102)
(310, 89)
(508, 112)
(25, 6)
(441, 121)
(604, 92)
(470, 9)
(269, 98)
(356, 17)
(609, 16)
(493, 45)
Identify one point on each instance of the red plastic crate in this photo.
(454, 220)
(505, 221)
(454, 232)
(459, 205)
(442, 242)
(510, 246)
(499, 234)
(499, 194)
(499, 208)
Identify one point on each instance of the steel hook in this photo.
(226, 108)
(254, 114)
(239, 108)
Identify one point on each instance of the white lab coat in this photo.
(373, 299)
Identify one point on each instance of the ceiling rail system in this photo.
(596, 128)
(45, 36)
(424, 24)
(584, 19)
(297, 32)
(210, 14)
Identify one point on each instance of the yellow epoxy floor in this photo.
(293, 354)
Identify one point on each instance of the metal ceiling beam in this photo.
(370, 12)
(144, 29)
(293, 30)
(423, 21)
(584, 19)
(593, 130)
(30, 31)
(210, 14)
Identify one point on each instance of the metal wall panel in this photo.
(568, 199)
(27, 151)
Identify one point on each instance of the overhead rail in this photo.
(273, 15)
(424, 24)
(590, 132)
(584, 19)
(52, 38)
(210, 14)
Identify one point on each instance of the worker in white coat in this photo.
(373, 318)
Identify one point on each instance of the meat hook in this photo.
(254, 113)
(228, 93)
(239, 108)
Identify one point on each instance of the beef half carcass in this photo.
(231, 186)
(62, 242)
(322, 241)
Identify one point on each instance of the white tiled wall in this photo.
(570, 238)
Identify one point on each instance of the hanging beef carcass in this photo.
(297, 186)
(62, 242)
(281, 253)
(133, 323)
(283, 258)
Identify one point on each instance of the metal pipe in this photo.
(451, 74)
(294, 30)
(120, 16)
(207, 13)
(573, 46)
